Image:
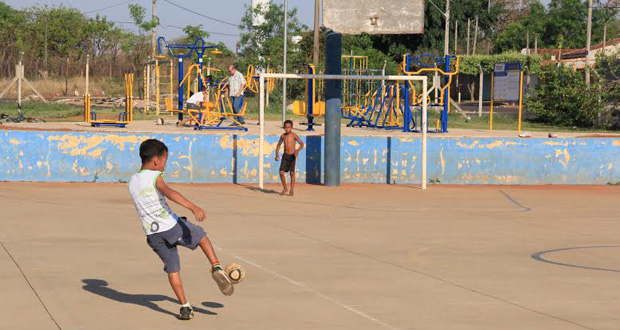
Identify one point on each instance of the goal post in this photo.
(261, 139)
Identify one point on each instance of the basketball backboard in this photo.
(374, 16)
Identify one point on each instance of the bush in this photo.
(469, 64)
(608, 71)
(563, 99)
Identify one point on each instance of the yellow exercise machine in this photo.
(124, 118)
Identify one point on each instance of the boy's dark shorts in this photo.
(288, 163)
(184, 233)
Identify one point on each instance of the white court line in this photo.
(305, 287)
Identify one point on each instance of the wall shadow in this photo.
(101, 288)
(314, 145)
(388, 161)
(235, 157)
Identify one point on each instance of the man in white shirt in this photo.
(195, 102)
(236, 85)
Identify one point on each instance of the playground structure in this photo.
(354, 91)
(398, 106)
(217, 108)
(123, 119)
(446, 66)
(311, 106)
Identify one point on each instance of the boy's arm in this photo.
(301, 144)
(176, 197)
(278, 148)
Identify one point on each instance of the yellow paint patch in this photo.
(245, 146)
(96, 153)
(513, 143)
(495, 144)
(566, 159)
(14, 141)
(443, 162)
(556, 143)
(471, 146)
(616, 143)
(353, 143)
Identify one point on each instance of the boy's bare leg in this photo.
(207, 248)
(177, 286)
(292, 182)
(283, 179)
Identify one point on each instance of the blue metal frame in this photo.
(197, 48)
(310, 105)
(439, 61)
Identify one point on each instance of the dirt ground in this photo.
(74, 256)
(275, 128)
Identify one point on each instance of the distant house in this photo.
(576, 58)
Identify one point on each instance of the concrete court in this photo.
(353, 257)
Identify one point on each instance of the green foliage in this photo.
(469, 64)
(263, 44)
(562, 98)
(138, 14)
(194, 32)
(608, 73)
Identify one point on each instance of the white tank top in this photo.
(154, 212)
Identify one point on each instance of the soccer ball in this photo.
(235, 273)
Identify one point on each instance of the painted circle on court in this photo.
(547, 257)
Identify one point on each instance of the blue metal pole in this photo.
(446, 99)
(310, 105)
(200, 72)
(333, 103)
(407, 118)
(180, 116)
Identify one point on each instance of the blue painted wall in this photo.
(107, 157)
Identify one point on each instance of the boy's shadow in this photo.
(100, 287)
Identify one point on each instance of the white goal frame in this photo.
(261, 139)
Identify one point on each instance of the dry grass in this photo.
(57, 88)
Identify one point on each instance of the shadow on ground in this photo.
(101, 288)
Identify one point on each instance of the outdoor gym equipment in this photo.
(310, 107)
(181, 52)
(214, 114)
(124, 118)
(447, 66)
(382, 108)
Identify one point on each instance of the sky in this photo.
(173, 18)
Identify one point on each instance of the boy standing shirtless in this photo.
(289, 158)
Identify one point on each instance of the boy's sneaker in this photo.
(223, 282)
(186, 313)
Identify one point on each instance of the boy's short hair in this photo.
(288, 121)
(152, 148)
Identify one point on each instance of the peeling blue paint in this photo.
(107, 157)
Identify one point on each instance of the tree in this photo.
(566, 22)
(263, 43)
(194, 32)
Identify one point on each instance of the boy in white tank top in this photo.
(164, 229)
